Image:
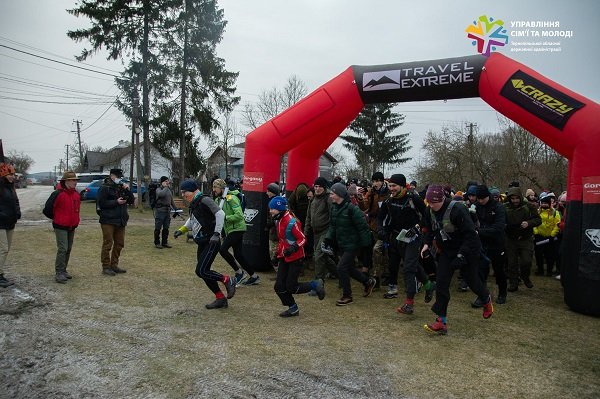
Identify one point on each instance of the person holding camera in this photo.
(449, 229)
(113, 197)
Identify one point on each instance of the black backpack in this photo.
(48, 210)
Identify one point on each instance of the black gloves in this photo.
(216, 238)
(290, 250)
(177, 233)
(459, 261)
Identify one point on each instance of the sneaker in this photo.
(166, 246)
(527, 282)
(320, 290)
(217, 303)
(477, 303)
(429, 292)
(61, 278)
(252, 281)
(312, 293)
(392, 292)
(557, 277)
(501, 299)
(67, 275)
(407, 308)
(4, 283)
(239, 277)
(290, 312)
(343, 301)
(108, 271)
(230, 287)
(463, 286)
(117, 269)
(369, 287)
(157, 246)
(437, 327)
(488, 308)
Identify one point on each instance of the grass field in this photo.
(146, 334)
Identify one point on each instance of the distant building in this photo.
(231, 163)
(120, 157)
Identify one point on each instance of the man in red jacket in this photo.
(65, 221)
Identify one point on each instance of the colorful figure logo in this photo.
(487, 34)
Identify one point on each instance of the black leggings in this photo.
(235, 240)
(287, 284)
(206, 254)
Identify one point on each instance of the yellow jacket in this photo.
(550, 220)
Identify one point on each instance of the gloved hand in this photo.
(413, 231)
(459, 261)
(216, 238)
(290, 250)
(177, 233)
(472, 208)
(326, 249)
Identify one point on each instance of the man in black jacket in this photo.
(113, 197)
(450, 231)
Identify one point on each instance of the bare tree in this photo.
(21, 161)
(226, 136)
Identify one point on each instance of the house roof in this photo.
(237, 152)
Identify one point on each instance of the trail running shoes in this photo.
(437, 327)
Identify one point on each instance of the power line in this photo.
(28, 82)
(94, 122)
(30, 121)
(53, 102)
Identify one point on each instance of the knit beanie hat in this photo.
(273, 188)
(377, 176)
(163, 179)
(529, 192)
(482, 191)
(494, 191)
(472, 190)
(219, 183)
(435, 193)
(352, 189)
(6, 169)
(546, 199)
(321, 181)
(189, 185)
(279, 203)
(340, 190)
(398, 179)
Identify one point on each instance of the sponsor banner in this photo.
(589, 257)
(420, 81)
(540, 99)
(253, 181)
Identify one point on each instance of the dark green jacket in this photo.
(348, 227)
(515, 215)
(317, 217)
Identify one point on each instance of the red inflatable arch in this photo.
(566, 121)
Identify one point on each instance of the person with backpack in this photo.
(113, 197)
(290, 252)
(205, 223)
(349, 232)
(162, 213)
(402, 211)
(63, 208)
(449, 230)
(234, 227)
(10, 212)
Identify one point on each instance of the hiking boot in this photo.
(392, 292)
(4, 283)
(477, 303)
(369, 287)
(501, 299)
(239, 277)
(67, 275)
(513, 286)
(429, 292)
(217, 303)
(488, 308)
(527, 282)
(320, 289)
(343, 301)
(157, 246)
(291, 312)
(61, 278)
(108, 271)
(252, 281)
(407, 308)
(117, 269)
(463, 286)
(230, 287)
(437, 327)
(165, 245)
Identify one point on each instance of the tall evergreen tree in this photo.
(375, 145)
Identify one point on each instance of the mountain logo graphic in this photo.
(594, 236)
(381, 80)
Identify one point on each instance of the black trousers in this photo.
(497, 261)
(206, 255)
(286, 283)
(234, 240)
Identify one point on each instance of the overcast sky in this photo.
(267, 41)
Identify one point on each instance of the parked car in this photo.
(86, 178)
(91, 191)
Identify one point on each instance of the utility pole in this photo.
(471, 148)
(136, 129)
(67, 167)
(79, 142)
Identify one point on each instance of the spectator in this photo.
(113, 197)
(162, 213)
(546, 237)
(10, 212)
(273, 190)
(205, 223)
